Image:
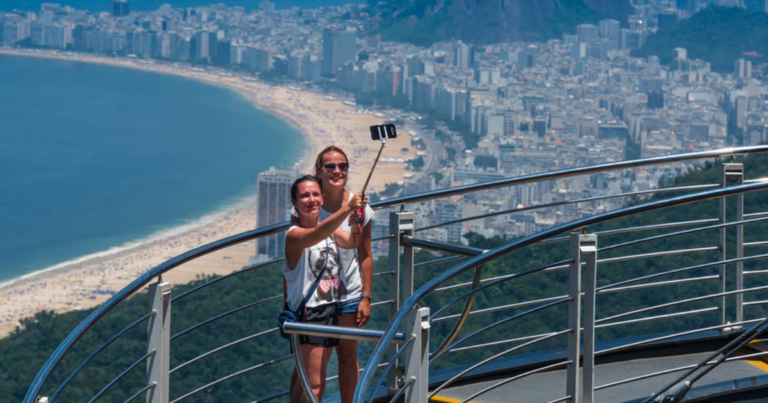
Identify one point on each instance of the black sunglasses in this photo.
(343, 167)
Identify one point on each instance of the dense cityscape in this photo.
(481, 112)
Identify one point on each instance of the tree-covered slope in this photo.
(423, 22)
(719, 35)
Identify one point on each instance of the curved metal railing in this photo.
(433, 285)
(398, 238)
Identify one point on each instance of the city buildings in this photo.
(503, 109)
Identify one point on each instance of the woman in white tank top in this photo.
(309, 246)
(332, 167)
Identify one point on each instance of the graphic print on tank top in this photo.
(330, 287)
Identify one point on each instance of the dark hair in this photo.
(329, 149)
(305, 178)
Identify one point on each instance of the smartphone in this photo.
(386, 131)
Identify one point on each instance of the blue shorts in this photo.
(349, 307)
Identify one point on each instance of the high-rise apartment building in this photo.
(464, 56)
(742, 68)
(655, 100)
(608, 29)
(339, 47)
(273, 206)
(120, 8)
(587, 33)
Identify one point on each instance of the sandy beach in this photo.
(91, 280)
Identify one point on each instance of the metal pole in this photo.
(159, 332)
(417, 355)
(398, 223)
(588, 249)
(721, 244)
(734, 175)
(407, 225)
(574, 321)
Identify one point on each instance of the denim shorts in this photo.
(349, 307)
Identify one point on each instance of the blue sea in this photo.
(149, 5)
(94, 157)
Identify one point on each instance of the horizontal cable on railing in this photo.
(98, 351)
(381, 238)
(497, 323)
(234, 375)
(122, 374)
(497, 343)
(492, 282)
(516, 377)
(225, 314)
(140, 392)
(217, 279)
(755, 303)
(385, 273)
(676, 335)
(763, 214)
(684, 301)
(566, 202)
(658, 254)
(499, 279)
(684, 269)
(755, 272)
(224, 347)
(501, 307)
(759, 243)
(387, 302)
(496, 356)
(439, 260)
(684, 232)
(669, 315)
(562, 399)
(659, 284)
(464, 250)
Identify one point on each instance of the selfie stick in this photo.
(383, 134)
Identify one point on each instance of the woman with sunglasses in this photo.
(332, 166)
(311, 248)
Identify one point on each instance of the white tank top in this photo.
(353, 285)
(311, 262)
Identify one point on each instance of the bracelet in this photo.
(368, 297)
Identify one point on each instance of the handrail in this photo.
(565, 173)
(520, 243)
(135, 285)
(146, 278)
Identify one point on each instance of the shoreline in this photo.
(89, 279)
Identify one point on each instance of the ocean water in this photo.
(93, 157)
(148, 5)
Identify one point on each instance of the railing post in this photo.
(574, 321)
(735, 175)
(399, 224)
(732, 174)
(588, 249)
(159, 333)
(417, 356)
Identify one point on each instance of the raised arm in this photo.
(352, 239)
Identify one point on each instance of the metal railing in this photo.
(406, 319)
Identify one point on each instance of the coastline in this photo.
(89, 280)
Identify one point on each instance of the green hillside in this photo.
(423, 22)
(719, 35)
(23, 353)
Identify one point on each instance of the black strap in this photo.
(317, 281)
